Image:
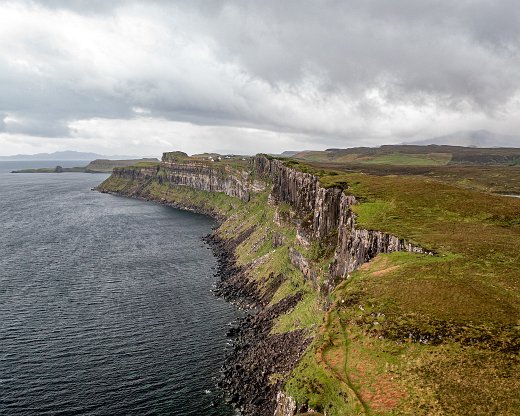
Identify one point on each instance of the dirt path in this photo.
(333, 354)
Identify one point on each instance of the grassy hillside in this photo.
(414, 155)
(106, 165)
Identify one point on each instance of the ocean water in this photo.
(105, 303)
(8, 166)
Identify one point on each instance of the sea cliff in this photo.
(322, 339)
(328, 216)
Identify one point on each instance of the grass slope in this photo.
(416, 155)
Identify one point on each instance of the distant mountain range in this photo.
(474, 138)
(66, 155)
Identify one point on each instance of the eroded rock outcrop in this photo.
(327, 213)
(205, 177)
(285, 405)
(177, 169)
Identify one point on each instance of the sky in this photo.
(142, 77)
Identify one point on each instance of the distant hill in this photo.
(288, 153)
(65, 155)
(415, 155)
(96, 166)
(476, 138)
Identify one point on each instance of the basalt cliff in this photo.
(292, 250)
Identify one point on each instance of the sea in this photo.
(106, 305)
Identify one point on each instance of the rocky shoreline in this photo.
(250, 376)
(192, 208)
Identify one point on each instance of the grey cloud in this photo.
(41, 126)
(42, 106)
(451, 51)
(458, 57)
(81, 6)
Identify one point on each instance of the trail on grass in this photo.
(333, 354)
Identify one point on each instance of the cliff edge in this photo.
(364, 303)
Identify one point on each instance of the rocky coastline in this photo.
(338, 308)
(248, 376)
(256, 369)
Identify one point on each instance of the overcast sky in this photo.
(142, 77)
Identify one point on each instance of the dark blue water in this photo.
(8, 166)
(105, 303)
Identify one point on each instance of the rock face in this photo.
(285, 405)
(301, 263)
(209, 178)
(140, 174)
(357, 246)
(326, 212)
(177, 169)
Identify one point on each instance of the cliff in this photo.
(322, 213)
(196, 175)
(353, 315)
(177, 169)
(329, 215)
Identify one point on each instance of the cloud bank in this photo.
(231, 76)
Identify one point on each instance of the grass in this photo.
(492, 179)
(479, 229)
(416, 155)
(315, 385)
(146, 165)
(371, 358)
(106, 165)
(308, 314)
(409, 159)
(436, 361)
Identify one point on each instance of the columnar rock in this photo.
(331, 212)
(204, 177)
(177, 169)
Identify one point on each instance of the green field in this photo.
(410, 155)
(430, 159)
